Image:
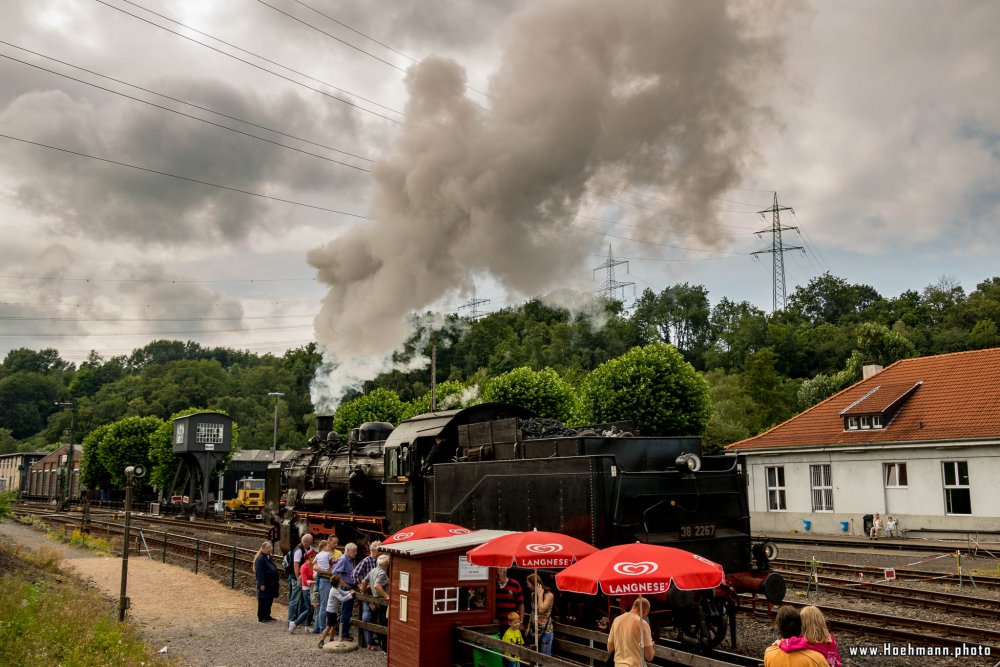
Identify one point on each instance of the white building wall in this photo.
(858, 489)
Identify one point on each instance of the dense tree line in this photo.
(752, 368)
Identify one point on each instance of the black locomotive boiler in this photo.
(476, 467)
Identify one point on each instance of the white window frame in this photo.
(877, 421)
(956, 486)
(823, 486)
(866, 423)
(896, 468)
(776, 497)
(852, 424)
(445, 600)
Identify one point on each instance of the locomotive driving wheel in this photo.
(703, 624)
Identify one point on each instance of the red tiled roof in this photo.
(880, 398)
(959, 398)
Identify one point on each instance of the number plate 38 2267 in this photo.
(696, 531)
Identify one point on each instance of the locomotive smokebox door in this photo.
(203, 432)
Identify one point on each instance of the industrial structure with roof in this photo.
(919, 440)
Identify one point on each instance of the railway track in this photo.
(982, 582)
(233, 528)
(890, 544)
(960, 604)
(895, 627)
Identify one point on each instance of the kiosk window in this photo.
(459, 598)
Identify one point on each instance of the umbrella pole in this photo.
(534, 605)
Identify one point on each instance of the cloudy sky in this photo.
(386, 157)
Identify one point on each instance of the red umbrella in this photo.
(640, 569)
(425, 531)
(533, 549)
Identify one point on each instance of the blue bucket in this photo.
(845, 526)
(807, 524)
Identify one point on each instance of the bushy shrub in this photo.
(654, 387)
(449, 397)
(543, 392)
(380, 405)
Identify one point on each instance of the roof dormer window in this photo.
(863, 422)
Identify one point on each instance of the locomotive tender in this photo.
(474, 467)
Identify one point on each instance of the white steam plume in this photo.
(652, 94)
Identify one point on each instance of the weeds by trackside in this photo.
(50, 618)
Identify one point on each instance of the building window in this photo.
(866, 423)
(894, 474)
(852, 423)
(776, 488)
(876, 421)
(209, 434)
(957, 494)
(821, 483)
(445, 600)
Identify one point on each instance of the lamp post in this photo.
(68, 469)
(274, 443)
(132, 473)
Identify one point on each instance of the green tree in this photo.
(732, 411)
(26, 401)
(44, 362)
(654, 387)
(380, 405)
(93, 474)
(126, 442)
(543, 392)
(449, 397)
(831, 299)
(8, 443)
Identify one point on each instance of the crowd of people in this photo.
(323, 583)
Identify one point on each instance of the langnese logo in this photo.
(635, 569)
(398, 537)
(543, 548)
(459, 531)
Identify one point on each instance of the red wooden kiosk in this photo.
(433, 588)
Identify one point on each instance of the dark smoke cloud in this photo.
(653, 94)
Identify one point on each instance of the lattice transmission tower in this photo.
(777, 251)
(610, 286)
(473, 306)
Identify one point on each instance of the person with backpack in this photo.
(291, 563)
(306, 579)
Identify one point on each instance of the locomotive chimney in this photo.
(324, 424)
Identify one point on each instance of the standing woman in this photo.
(266, 573)
(542, 601)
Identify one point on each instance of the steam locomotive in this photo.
(476, 468)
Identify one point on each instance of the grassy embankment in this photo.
(48, 617)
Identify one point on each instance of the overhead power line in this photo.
(186, 332)
(187, 115)
(180, 101)
(264, 69)
(185, 178)
(331, 36)
(358, 32)
(355, 31)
